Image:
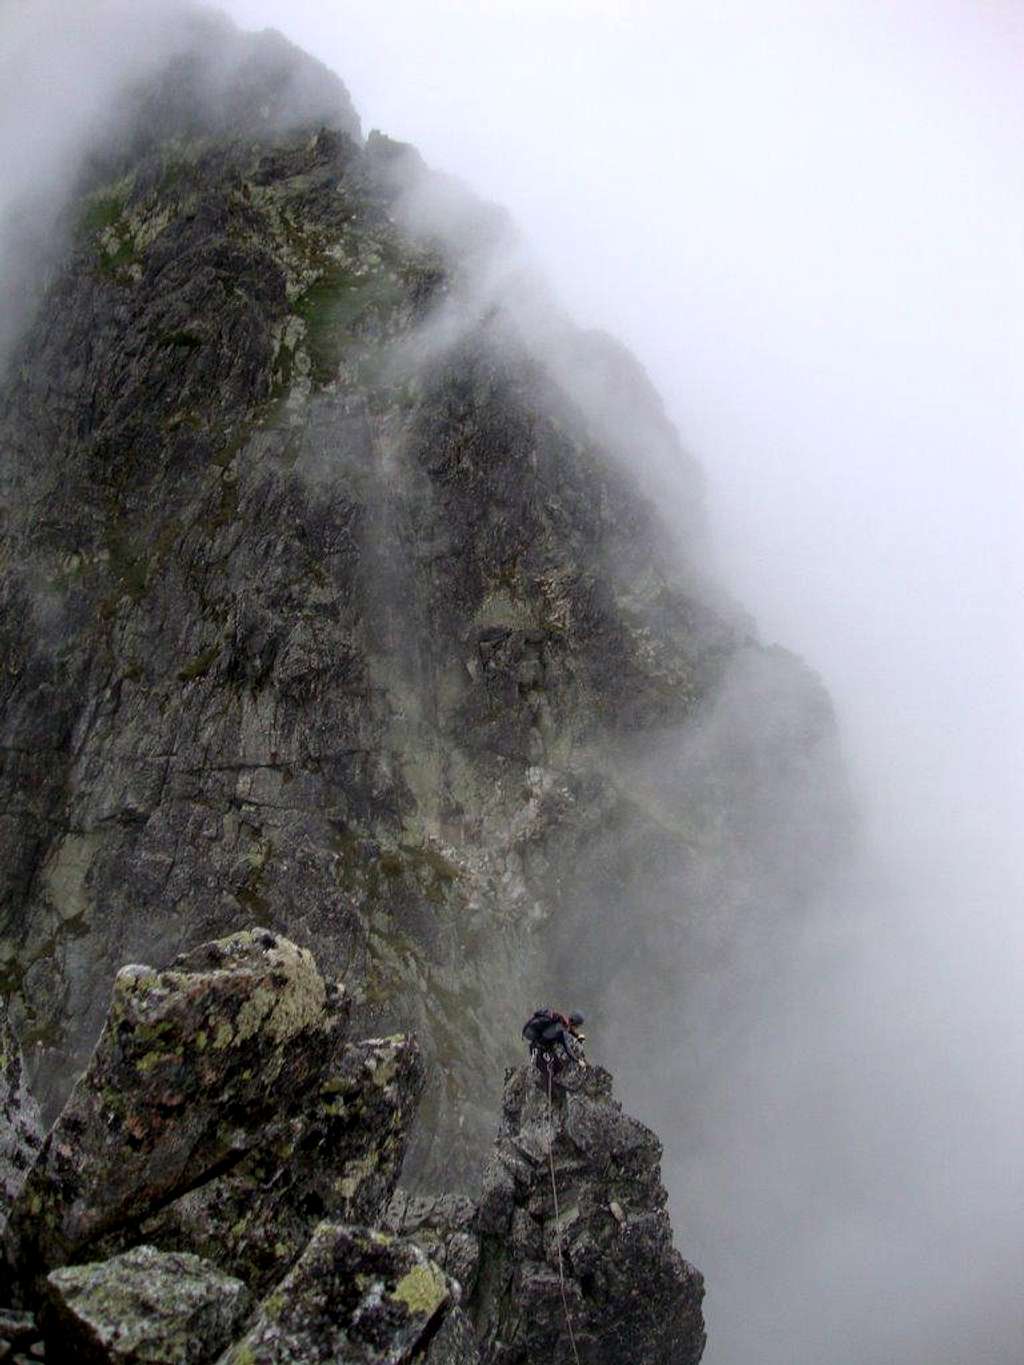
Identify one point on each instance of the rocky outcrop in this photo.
(310, 1135)
(575, 1236)
(355, 1295)
(336, 1157)
(144, 1306)
(193, 1065)
(332, 597)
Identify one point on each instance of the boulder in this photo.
(355, 1295)
(192, 1069)
(338, 1157)
(591, 1249)
(144, 1306)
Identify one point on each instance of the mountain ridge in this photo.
(325, 605)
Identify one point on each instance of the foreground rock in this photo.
(18, 1332)
(337, 1158)
(145, 1306)
(191, 1067)
(21, 1133)
(628, 1293)
(357, 1296)
(444, 1226)
(226, 1126)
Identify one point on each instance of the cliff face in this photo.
(324, 603)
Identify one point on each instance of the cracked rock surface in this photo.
(337, 1156)
(315, 615)
(193, 1064)
(445, 1226)
(356, 1295)
(628, 1293)
(144, 1307)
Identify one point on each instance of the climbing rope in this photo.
(558, 1230)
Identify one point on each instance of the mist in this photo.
(805, 222)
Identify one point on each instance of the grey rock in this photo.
(601, 1272)
(144, 1306)
(356, 1295)
(21, 1132)
(445, 1226)
(388, 642)
(455, 1343)
(337, 1157)
(17, 1327)
(193, 1066)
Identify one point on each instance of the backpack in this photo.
(538, 1022)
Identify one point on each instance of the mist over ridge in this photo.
(851, 1116)
(803, 223)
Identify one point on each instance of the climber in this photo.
(546, 1030)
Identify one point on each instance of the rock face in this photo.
(337, 1156)
(331, 597)
(444, 1226)
(192, 1066)
(605, 1259)
(355, 1295)
(145, 1306)
(21, 1133)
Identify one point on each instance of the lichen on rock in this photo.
(144, 1306)
(158, 1109)
(355, 1295)
(21, 1133)
(337, 1155)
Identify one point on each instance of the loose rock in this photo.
(145, 1306)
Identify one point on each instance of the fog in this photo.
(805, 219)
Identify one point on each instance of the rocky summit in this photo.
(576, 1247)
(281, 1236)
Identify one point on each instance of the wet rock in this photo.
(17, 1331)
(355, 1295)
(444, 1226)
(602, 1261)
(21, 1133)
(144, 1306)
(192, 1066)
(393, 643)
(337, 1158)
(455, 1342)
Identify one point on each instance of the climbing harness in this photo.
(558, 1230)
